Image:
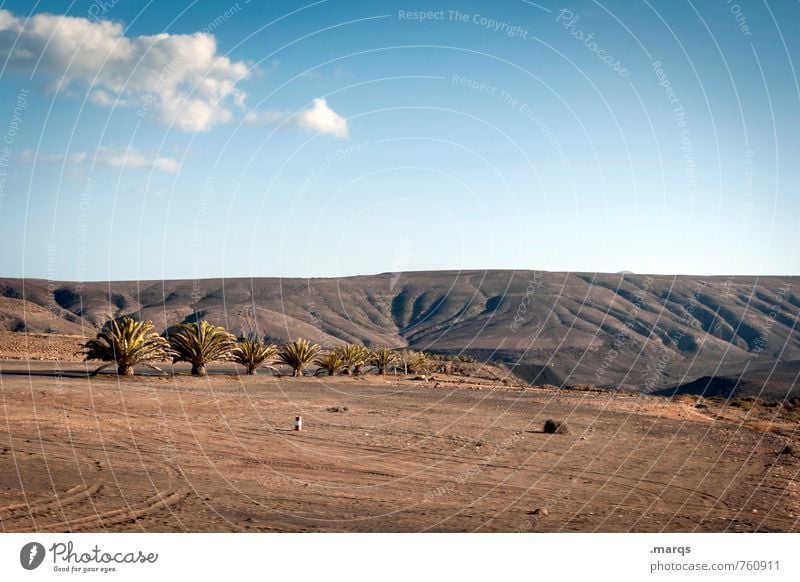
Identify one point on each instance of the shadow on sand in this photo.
(54, 370)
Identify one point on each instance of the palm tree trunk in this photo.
(330, 372)
(297, 373)
(380, 371)
(199, 370)
(251, 370)
(125, 370)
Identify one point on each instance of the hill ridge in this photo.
(644, 331)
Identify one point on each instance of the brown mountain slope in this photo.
(645, 332)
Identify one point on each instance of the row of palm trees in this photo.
(126, 343)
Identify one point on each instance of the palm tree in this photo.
(330, 361)
(297, 355)
(252, 353)
(353, 357)
(383, 358)
(414, 362)
(364, 356)
(200, 344)
(126, 343)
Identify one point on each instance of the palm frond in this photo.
(353, 357)
(383, 358)
(414, 362)
(297, 355)
(330, 362)
(200, 344)
(252, 353)
(126, 343)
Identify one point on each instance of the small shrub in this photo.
(792, 403)
(763, 426)
(555, 427)
(689, 399)
(585, 388)
(742, 403)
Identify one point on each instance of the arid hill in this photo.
(636, 331)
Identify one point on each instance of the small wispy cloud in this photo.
(319, 118)
(115, 157)
(269, 117)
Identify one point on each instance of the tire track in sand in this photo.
(27, 511)
(153, 504)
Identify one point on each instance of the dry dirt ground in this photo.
(40, 346)
(177, 453)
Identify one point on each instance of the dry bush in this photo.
(586, 388)
(747, 403)
(792, 403)
(689, 399)
(555, 427)
(762, 426)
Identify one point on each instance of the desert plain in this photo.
(458, 452)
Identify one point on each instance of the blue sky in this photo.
(338, 138)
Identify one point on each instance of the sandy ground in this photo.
(378, 455)
(40, 346)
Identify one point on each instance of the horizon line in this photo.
(396, 273)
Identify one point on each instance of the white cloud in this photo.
(128, 157)
(177, 78)
(319, 117)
